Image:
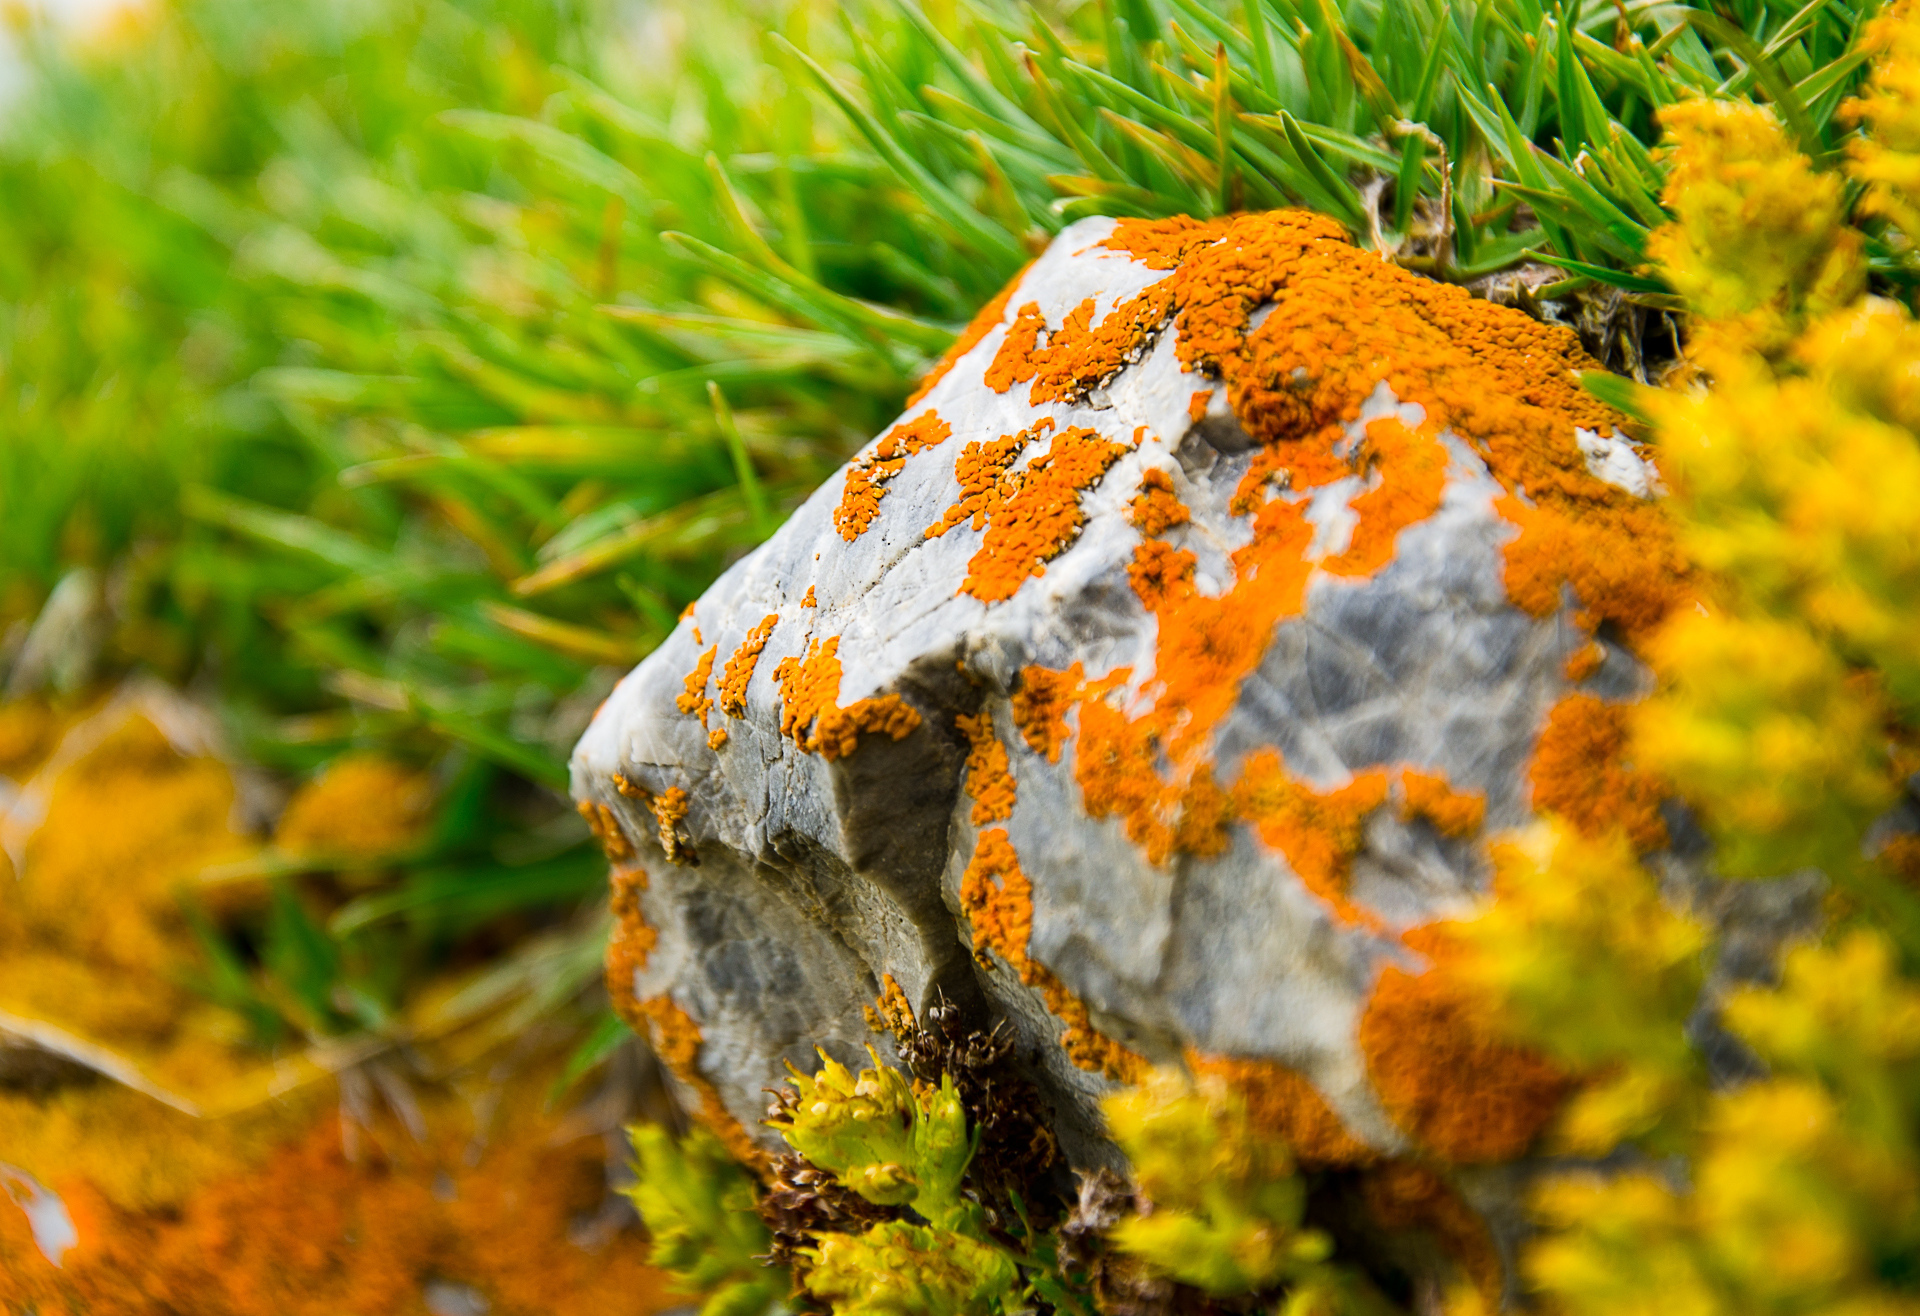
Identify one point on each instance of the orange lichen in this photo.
(868, 476)
(1013, 359)
(631, 789)
(1585, 661)
(982, 469)
(362, 806)
(739, 669)
(605, 826)
(810, 714)
(1413, 473)
(670, 813)
(1431, 796)
(1040, 519)
(1040, 707)
(630, 943)
(989, 782)
(998, 899)
(311, 1231)
(807, 600)
(1155, 508)
(1580, 772)
(671, 1031)
(1340, 324)
(1404, 1195)
(1445, 1076)
(1197, 405)
(1319, 832)
(983, 324)
(1283, 1104)
(94, 942)
(890, 1012)
(695, 702)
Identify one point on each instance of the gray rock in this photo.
(817, 878)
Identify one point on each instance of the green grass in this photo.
(407, 367)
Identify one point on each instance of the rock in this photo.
(1153, 686)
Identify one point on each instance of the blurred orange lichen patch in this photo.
(360, 806)
(1283, 1104)
(93, 940)
(1413, 467)
(868, 477)
(1318, 831)
(1155, 508)
(606, 829)
(1041, 518)
(1430, 796)
(740, 665)
(1444, 1074)
(1040, 707)
(983, 324)
(989, 781)
(810, 712)
(1580, 772)
(496, 1208)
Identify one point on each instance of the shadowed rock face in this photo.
(1274, 548)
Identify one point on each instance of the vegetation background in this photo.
(380, 379)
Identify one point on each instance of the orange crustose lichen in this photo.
(739, 669)
(1155, 508)
(669, 812)
(1430, 796)
(1040, 707)
(868, 476)
(606, 830)
(810, 714)
(982, 469)
(1578, 772)
(983, 324)
(1041, 517)
(807, 600)
(694, 701)
(674, 1035)
(1318, 832)
(1441, 1071)
(998, 899)
(988, 780)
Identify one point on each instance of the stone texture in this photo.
(815, 878)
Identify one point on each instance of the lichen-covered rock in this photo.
(1153, 686)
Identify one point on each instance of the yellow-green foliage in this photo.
(1227, 1204)
(698, 1204)
(897, 1145)
(1785, 699)
(1578, 946)
(900, 1269)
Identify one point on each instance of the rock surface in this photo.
(1152, 686)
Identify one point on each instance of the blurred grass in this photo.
(403, 368)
